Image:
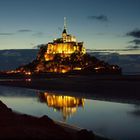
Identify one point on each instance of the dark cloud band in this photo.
(24, 30)
(6, 34)
(135, 33)
(102, 18)
(135, 41)
(135, 47)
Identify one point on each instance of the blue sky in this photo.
(101, 24)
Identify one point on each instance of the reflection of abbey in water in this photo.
(65, 104)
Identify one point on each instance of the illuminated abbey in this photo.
(66, 55)
(66, 45)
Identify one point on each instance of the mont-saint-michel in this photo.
(66, 55)
(67, 93)
(70, 78)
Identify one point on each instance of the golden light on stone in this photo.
(28, 73)
(64, 46)
(77, 68)
(64, 71)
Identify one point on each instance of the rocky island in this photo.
(66, 55)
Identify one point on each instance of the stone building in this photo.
(65, 46)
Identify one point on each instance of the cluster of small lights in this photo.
(28, 73)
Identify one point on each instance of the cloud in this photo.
(135, 33)
(102, 18)
(135, 41)
(105, 50)
(135, 47)
(19, 31)
(38, 34)
(126, 49)
(6, 34)
(24, 30)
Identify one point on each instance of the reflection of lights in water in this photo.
(66, 104)
(28, 80)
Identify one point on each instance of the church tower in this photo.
(64, 33)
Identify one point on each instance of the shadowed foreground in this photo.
(18, 126)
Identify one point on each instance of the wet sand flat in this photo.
(113, 86)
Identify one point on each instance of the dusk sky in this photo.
(101, 24)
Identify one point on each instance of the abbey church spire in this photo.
(67, 37)
(65, 26)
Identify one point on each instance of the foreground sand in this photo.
(22, 127)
